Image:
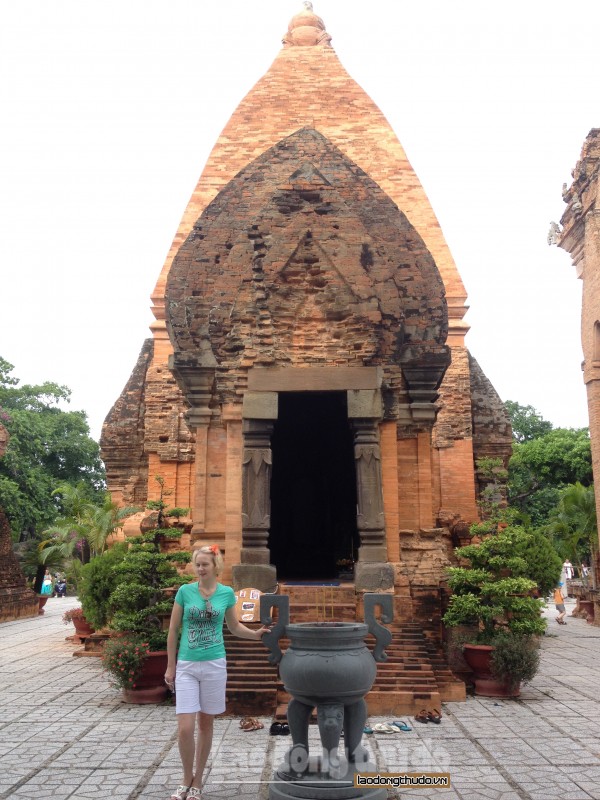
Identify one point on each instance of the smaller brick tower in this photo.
(580, 237)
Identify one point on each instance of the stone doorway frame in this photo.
(259, 412)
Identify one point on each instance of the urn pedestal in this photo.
(327, 666)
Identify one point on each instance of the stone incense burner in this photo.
(327, 666)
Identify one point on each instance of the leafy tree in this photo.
(527, 424)
(574, 525)
(48, 446)
(541, 467)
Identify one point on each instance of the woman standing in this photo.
(199, 669)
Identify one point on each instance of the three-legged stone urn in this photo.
(327, 666)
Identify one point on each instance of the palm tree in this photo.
(574, 524)
(100, 522)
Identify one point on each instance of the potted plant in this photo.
(137, 608)
(83, 629)
(493, 592)
(126, 658)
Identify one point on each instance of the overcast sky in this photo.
(110, 109)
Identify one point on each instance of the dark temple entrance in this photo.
(313, 486)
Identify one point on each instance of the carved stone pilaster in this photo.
(256, 482)
(370, 517)
(255, 569)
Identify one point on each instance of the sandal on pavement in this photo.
(193, 792)
(435, 715)
(181, 793)
(250, 724)
(383, 727)
(422, 717)
(402, 726)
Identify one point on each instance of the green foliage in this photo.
(137, 602)
(541, 467)
(527, 424)
(543, 562)
(573, 524)
(495, 590)
(177, 512)
(515, 659)
(179, 557)
(123, 658)
(47, 446)
(99, 580)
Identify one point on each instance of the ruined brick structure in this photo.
(307, 391)
(16, 599)
(580, 236)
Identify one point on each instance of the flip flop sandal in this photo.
(422, 717)
(250, 724)
(181, 793)
(367, 729)
(402, 726)
(383, 727)
(275, 729)
(434, 716)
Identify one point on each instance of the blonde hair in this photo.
(211, 550)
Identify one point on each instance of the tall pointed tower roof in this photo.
(307, 86)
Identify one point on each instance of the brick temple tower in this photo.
(580, 237)
(307, 390)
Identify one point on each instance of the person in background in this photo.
(559, 601)
(47, 584)
(198, 671)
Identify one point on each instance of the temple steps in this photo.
(415, 675)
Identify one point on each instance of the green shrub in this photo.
(514, 659)
(98, 581)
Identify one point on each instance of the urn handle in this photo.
(271, 640)
(383, 636)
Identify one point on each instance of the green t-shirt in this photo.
(202, 628)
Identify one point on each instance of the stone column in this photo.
(372, 572)
(255, 569)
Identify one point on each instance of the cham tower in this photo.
(307, 391)
(580, 237)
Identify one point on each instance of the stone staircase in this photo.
(415, 675)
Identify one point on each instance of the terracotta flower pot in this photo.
(42, 600)
(150, 686)
(83, 629)
(479, 657)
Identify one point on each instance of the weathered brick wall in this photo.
(308, 87)
(581, 238)
(303, 260)
(122, 439)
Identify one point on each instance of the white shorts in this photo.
(200, 686)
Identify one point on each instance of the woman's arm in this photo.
(174, 625)
(236, 627)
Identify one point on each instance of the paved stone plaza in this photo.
(64, 732)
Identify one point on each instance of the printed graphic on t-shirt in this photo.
(202, 628)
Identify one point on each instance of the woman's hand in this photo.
(260, 632)
(170, 678)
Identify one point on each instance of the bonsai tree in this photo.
(494, 594)
(138, 602)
